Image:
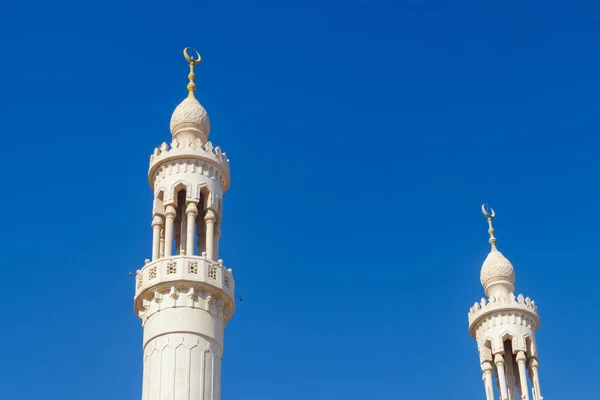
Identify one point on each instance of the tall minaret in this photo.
(504, 326)
(185, 296)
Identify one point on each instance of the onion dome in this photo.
(190, 117)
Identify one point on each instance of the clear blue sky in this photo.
(363, 137)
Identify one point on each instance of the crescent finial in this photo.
(191, 58)
(191, 86)
(490, 215)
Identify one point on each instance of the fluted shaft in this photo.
(499, 361)
(157, 224)
(535, 378)
(210, 219)
(169, 221)
(191, 212)
(488, 382)
(523, 389)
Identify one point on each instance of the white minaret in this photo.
(185, 296)
(504, 326)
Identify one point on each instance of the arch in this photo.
(485, 350)
(203, 193)
(531, 349)
(509, 335)
(159, 205)
(206, 197)
(176, 188)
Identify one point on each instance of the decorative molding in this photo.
(494, 304)
(210, 178)
(185, 295)
(189, 149)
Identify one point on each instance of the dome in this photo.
(190, 119)
(497, 274)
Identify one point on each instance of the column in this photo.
(157, 224)
(209, 219)
(535, 378)
(192, 212)
(533, 393)
(499, 361)
(488, 381)
(521, 359)
(183, 244)
(170, 214)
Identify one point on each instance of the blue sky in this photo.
(363, 137)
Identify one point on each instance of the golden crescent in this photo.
(484, 211)
(190, 58)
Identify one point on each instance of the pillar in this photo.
(499, 361)
(191, 212)
(170, 214)
(488, 381)
(209, 219)
(521, 360)
(535, 378)
(157, 224)
(183, 229)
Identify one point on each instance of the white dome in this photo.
(191, 117)
(497, 271)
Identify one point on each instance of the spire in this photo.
(497, 273)
(490, 217)
(191, 86)
(190, 121)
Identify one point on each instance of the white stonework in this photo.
(190, 118)
(184, 295)
(504, 326)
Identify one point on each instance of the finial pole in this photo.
(191, 86)
(490, 217)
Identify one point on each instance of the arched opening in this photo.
(200, 242)
(180, 226)
(511, 370)
(159, 209)
(203, 205)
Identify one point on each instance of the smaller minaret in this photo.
(504, 326)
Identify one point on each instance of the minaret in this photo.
(184, 295)
(504, 326)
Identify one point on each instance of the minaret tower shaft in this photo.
(184, 296)
(504, 326)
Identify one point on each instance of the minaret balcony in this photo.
(182, 269)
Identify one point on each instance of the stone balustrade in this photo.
(185, 269)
